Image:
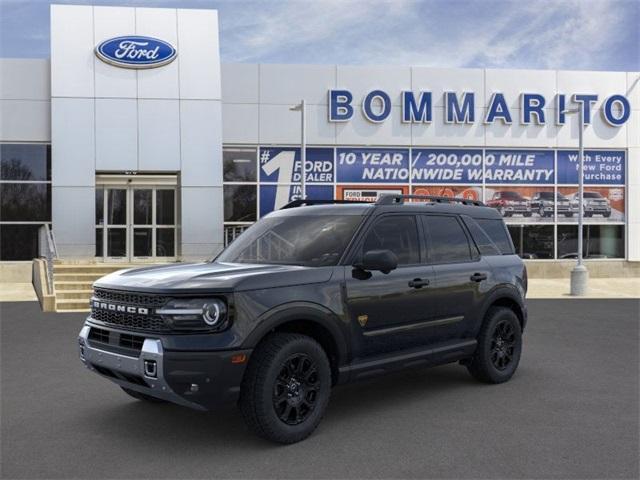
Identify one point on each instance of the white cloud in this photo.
(527, 34)
(555, 34)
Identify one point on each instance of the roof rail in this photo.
(390, 199)
(300, 202)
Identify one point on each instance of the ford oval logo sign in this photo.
(134, 51)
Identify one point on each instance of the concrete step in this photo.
(71, 304)
(63, 285)
(74, 294)
(83, 269)
(76, 277)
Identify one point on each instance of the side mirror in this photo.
(382, 260)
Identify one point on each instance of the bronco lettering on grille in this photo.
(120, 308)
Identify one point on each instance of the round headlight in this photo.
(213, 313)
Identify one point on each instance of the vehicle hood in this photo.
(212, 277)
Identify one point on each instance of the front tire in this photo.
(286, 388)
(499, 347)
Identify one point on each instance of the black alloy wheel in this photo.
(499, 347)
(502, 345)
(296, 389)
(286, 387)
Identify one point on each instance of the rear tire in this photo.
(142, 396)
(499, 347)
(286, 388)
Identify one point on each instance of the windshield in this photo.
(592, 195)
(512, 196)
(314, 240)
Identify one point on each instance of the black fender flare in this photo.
(504, 291)
(308, 311)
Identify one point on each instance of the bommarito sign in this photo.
(460, 108)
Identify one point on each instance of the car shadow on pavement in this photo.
(163, 424)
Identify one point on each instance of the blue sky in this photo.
(546, 34)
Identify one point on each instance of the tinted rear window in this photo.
(484, 243)
(498, 234)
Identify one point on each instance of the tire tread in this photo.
(253, 410)
(478, 367)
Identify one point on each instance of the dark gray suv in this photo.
(312, 296)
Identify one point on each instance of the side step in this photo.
(434, 355)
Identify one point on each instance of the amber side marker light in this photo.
(240, 358)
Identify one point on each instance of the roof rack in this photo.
(390, 199)
(300, 202)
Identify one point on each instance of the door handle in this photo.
(478, 277)
(418, 283)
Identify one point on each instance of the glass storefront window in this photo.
(239, 164)
(598, 241)
(165, 242)
(535, 210)
(116, 242)
(117, 206)
(142, 242)
(25, 202)
(240, 203)
(25, 162)
(25, 197)
(532, 242)
(99, 242)
(601, 204)
(165, 207)
(18, 242)
(99, 206)
(142, 206)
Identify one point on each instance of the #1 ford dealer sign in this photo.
(136, 52)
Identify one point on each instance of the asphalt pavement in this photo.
(571, 411)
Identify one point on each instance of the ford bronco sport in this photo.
(309, 297)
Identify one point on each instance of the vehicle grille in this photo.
(133, 299)
(99, 335)
(149, 323)
(131, 341)
(130, 321)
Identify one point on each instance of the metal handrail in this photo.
(47, 248)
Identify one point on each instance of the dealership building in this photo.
(127, 163)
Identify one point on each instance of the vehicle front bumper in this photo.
(597, 209)
(517, 208)
(198, 380)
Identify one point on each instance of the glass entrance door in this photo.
(136, 223)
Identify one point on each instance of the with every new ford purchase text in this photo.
(313, 295)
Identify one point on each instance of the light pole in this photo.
(580, 274)
(303, 146)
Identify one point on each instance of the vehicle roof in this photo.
(409, 207)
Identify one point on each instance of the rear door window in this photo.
(498, 233)
(448, 242)
(481, 238)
